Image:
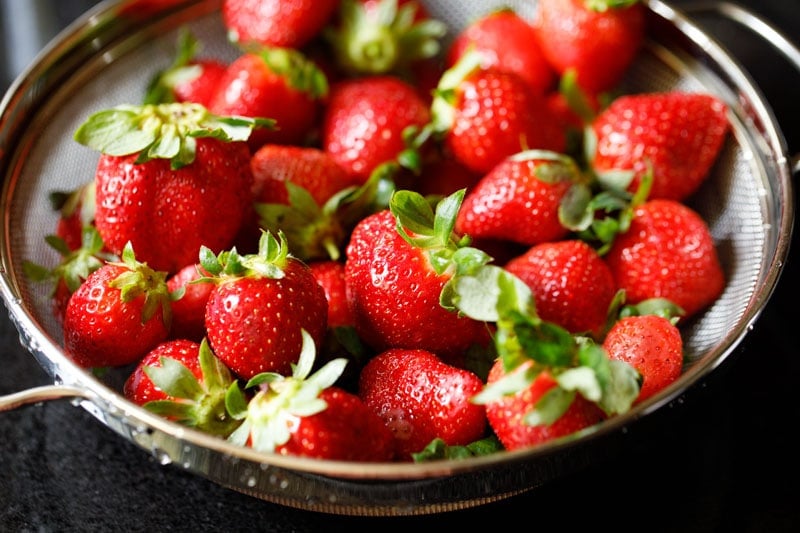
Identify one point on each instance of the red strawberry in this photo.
(571, 284)
(308, 415)
(487, 114)
(652, 345)
(506, 416)
(183, 381)
(598, 39)
(443, 176)
(118, 314)
(507, 41)
(421, 398)
(395, 278)
(76, 211)
(277, 83)
(330, 275)
(261, 303)
(189, 310)
(365, 119)
(519, 199)
(679, 134)
(276, 23)
(668, 252)
(169, 195)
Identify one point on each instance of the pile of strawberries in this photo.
(355, 243)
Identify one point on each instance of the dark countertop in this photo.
(720, 459)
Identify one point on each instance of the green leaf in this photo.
(551, 406)
(174, 379)
(485, 293)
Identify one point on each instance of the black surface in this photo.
(723, 458)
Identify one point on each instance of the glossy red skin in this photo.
(393, 293)
(254, 323)
(311, 168)
(281, 23)
(506, 415)
(189, 312)
(168, 214)
(202, 88)
(497, 115)
(600, 46)
(347, 430)
(100, 330)
(652, 345)
(680, 134)
(364, 119)
(330, 275)
(251, 88)
(511, 203)
(571, 284)
(668, 252)
(509, 42)
(420, 398)
(140, 389)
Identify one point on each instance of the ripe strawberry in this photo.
(506, 416)
(598, 39)
(652, 344)
(484, 115)
(308, 415)
(278, 83)
(276, 23)
(383, 36)
(76, 211)
(183, 381)
(421, 398)
(170, 178)
(330, 275)
(397, 265)
(571, 284)
(507, 41)
(259, 306)
(189, 78)
(190, 294)
(679, 134)
(365, 119)
(118, 314)
(668, 252)
(519, 199)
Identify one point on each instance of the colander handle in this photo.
(760, 27)
(41, 394)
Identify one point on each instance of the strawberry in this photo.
(170, 178)
(183, 381)
(367, 120)
(507, 416)
(76, 211)
(260, 303)
(330, 275)
(190, 291)
(650, 343)
(118, 314)
(398, 263)
(307, 415)
(189, 78)
(678, 135)
(443, 176)
(598, 39)
(519, 199)
(279, 83)
(421, 398)
(276, 23)
(507, 41)
(571, 284)
(668, 252)
(484, 115)
(383, 36)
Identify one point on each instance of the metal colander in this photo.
(107, 57)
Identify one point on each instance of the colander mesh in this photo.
(734, 201)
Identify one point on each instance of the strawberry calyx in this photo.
(161, 131)
(300, 72)
(160, 88)
(604, 5)
(272, 414)
(438, 449)
(141, 280)
(444, 96)
(268, 262)
(385, 39)
(195, 403)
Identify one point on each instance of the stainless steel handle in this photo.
(41, 394)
